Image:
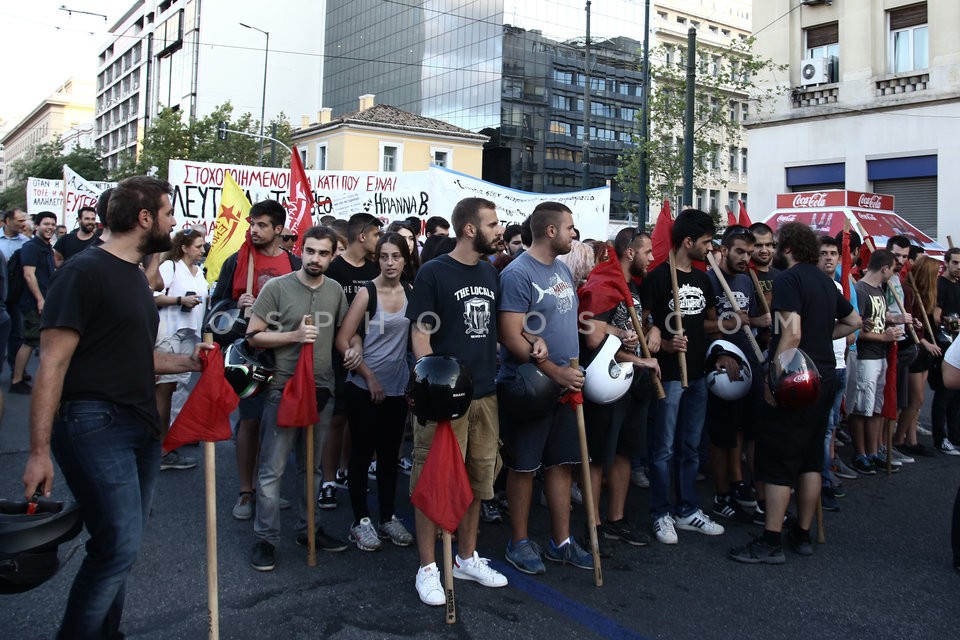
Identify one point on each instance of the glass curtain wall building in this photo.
(511, 69)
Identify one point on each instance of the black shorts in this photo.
(906, 356)
(31, 328)
(791, 442)
(548, 441)
(923, 362)
(606, 429)
(724, 420)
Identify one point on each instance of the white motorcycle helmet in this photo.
(718, 382)
(606, 380)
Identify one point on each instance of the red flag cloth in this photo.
(866, 250)
(731, 219)
(298, 405)
(443, 491)
(890, 390)
(206, 414)
(300, 201)
(572, 398)
(662, 232)
(246, 253)
(605, 286)
(744, 218)
(846, 264)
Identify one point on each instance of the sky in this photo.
(44, 47)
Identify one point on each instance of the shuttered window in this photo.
(824, 34)
(911, 16)
(915, 199)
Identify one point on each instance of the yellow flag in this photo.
(230, 229)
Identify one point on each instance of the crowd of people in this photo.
(755, 371)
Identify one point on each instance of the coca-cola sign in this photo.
(870, 201)
(806, 200)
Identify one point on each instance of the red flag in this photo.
(605, 286)
(890, 389)
(846, 264)
(662, 232)
(572, 399)
(298, 405)
(206, 414)
(443, 491)
(246, 253)
(731, 219)
(866, 250)
(300, 201)
(744, 218)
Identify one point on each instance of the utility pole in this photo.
(644, 207)
(585, 182)
(688, 123)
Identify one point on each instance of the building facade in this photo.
(871, 103)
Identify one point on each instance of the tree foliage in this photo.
(172, 137)
(47, 162)
(723, 75)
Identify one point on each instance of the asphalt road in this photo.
(885, 572)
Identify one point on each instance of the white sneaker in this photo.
(478, 569)
(663, 528)
(699, 521)
(428, 586)
(948, 448)
(922, 430)
(638, 478)
(365, 536)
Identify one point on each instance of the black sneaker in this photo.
(341, 480)
(21, 388)
(322, 541)
(828, 499)
(264, 557)
(745, 495)
(759, 515)
(623, 530)
(603, 547)
(729, 508)
(864, 466)
(758, 552)
(489, 512)
(328, 496)
(801, 545)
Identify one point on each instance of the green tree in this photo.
(723, 75)
(47, 162)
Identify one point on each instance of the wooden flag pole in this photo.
(733, 304)
(210, 483)
(949, 242)
(448, 576)
(821, 535)
(923, 307)
(249, 310)
(678, 314)
(903, 309)
(311, 497)
(638, 327)
(761, 297)
(587, 486)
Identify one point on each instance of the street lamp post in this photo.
(263, 102)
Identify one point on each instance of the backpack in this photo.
(15, 282)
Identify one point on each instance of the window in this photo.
(714, 198)
(563, 77)
(303, 156)
(441, 157)
(824, 41)
(321, 157)
(743, 160)
(733, 111)
(908, 45)
(681, 20)
(560, 128)
(391, 157)
(628, 113)
(662, 15)
(734, 157)
(564, 103)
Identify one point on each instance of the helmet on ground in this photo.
(605, 379)
(718, 382)
(794, 380)
(529, 392)
(29, 541)
(440, 388)
(248, 370)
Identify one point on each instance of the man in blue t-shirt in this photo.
(538, 298)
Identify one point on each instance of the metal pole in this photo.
(273, 144)
(263, 101)
(585, 181)
(644, 204)
(688, 124)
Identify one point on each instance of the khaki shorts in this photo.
(180, 343)
(478, 435)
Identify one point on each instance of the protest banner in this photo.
(45, 194)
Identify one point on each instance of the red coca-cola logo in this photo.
(868, 201)
(810, 200)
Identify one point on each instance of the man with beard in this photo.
(616, 431)
(73, 243)
(269, 260)
(761, 259)
(452, 312)
(538, 297)
(279, 322)
(97, 370)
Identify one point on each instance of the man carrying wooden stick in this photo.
(680, 416)
(280, 321)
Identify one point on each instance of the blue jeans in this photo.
(833, 421)
(679, 424)
(276, 443)
(110, 463)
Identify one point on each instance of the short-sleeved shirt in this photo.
(872, 306)
(109, 303)
(269, 267)
(352, 278)
(70, 245)
(948, 296)
(37, 254)
(742, 288)
(9, 246)
(805, 290)
(617, 316)
(459, 303)
(282, 304)
(766, 278)
(952, 356)
(696, 299)
(178, 281)
(548, 298)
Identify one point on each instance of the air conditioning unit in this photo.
(815, 71)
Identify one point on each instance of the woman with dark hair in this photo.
(181, 319)
(403, 229)
(373, 340)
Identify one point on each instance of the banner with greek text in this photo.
(47, 195)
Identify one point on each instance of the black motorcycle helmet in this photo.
(29, 541)
(440, 388)
(529, 393)
(225, 322)
(248, 370)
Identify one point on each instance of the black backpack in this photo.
(15, 282)
(372, 304)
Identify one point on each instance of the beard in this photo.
(155, 241)
(88, 228)
(637, 271)
(313, 270)
(779, 261)
(485, 248)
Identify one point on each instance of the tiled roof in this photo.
(389, 117)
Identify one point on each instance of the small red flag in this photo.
(890, 389)
(573, 399)
(605, 286)
(206, 414)
(443, 490)
(744, 218)
(846, 264)
(298, 405)
(731, 219)
(662, 236)
(300, 201)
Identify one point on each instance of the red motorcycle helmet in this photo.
(794, 380)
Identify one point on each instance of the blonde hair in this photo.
(580, 261)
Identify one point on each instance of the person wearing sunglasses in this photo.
(288, 238)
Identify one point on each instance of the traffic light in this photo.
(222, 130)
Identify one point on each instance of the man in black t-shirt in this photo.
(809, 314)
(97, 369)
(761, 259)
(680, 416)
(352, 269)
(945, 414)
(85, 234)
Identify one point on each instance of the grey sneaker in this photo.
(394, 531)
(176, 460)
(525, 557)
(365, 536)
(243, 510)
(569, 553)
(638, 478)
(756, 552)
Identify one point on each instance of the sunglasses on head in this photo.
(289, 238)
(189, 233)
